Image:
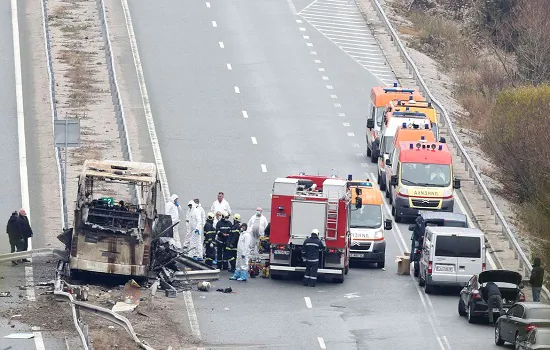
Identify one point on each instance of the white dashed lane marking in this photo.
(321, 343)
(229, 66)
(351, 134)
(324, 77)
(345, 124)
(308, 302)
(214, 24)
(329, 87)
(254, 141)
(317, 61)
(237, 91)
(245, 114)
(264, 168)
(207, 4)
(306, 37)
(221, 44)
(341, 114)
(342, 23)
(333, 96)
(321, 69)
(313, 52)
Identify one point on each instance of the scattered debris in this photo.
(338, 306)
(121, 307)
(204, 286)
(5, 294)
(19, 336)
(131, 292)
(226, 290)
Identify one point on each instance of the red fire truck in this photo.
(299, 204)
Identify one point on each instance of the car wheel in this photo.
(397, 217)
(428, 288)
(387, 193)
(381, 264)
(369, 152)
(341, 278)
(276, 276)
(421, 281)
(416, 271)
(461, 307)
(380, 183)
(516, 341)
(498, 340)
(346, 270)
(471, 317)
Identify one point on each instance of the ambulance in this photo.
(413, 105)
(380, 96)
(367, 223)
(420, 177)
(411, 132)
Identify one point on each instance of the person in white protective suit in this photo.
(173, 209)
(193, 237)
(257, 225)
(243, 254)
(203, 222)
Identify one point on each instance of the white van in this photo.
(451, 256)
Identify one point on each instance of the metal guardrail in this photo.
(524, 263)
(51, 78)
(115, 92)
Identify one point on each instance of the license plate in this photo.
(360, 235)
(497, 310)
(281, 252)
(445, 268)
(356, 255)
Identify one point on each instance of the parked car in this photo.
(473, 303)
(537, 338)
(520, 319)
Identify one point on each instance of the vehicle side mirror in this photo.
(442, 140)
(456, 183)
(388, 162)
(358, 203)
(387, 224)
(411, 227)
(393, 180)
(370, 123)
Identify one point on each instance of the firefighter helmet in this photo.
(237, 217)
(315, 231)
(210, 216)
(225, 214)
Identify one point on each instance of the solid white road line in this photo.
(245, 114)
(221, 44)
(229, 66)
(189, 305)
(308, 302)
(264, 168)
(207, 4)
(446, 341)
(254, 141)
(22, 147)
(321, 343)
(237, 91)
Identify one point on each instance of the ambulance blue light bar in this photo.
(398, 89)
(360, 183)
(409, 114)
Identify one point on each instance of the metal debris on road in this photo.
(5, 294)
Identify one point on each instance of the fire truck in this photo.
(299, 204)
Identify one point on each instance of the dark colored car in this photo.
(473, 303)
(520, 319)
(536, 339)
(431, 218)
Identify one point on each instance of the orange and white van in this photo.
(380, 97)
(413, 106)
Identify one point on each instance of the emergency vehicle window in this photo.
(368, 216)
(387, 146)
(380, 115)
(372, 113)
(418, 174)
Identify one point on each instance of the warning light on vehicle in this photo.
(350, 177)
(395, 84)
(411, 146)
(411, 97)
(404, 125)
(426, 126)
(422, 137)
(440, 147)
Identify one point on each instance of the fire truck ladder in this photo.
(332, 218)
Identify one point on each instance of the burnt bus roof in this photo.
(120, 170)
(439, 215)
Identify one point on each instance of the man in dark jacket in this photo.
(537, 277)
(223, 227)
(310, 250)
(491, 293)
(209, 240)
(13, 229)
(230, 253)
(26, 230)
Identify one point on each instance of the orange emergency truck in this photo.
(415, 106)
(367, 223)
(380, 96)
(420, 175)
(411, 132)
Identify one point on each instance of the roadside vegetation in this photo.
(498, 52)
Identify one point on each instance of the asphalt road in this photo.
(305, 108)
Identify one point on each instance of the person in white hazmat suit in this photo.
(173, 209)
(243, 254)
(193, 238)
(203, 222)
(257, 225)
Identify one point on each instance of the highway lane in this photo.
(297, 127)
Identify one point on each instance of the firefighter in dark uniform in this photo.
(310, 250)
(209, 240)
(223, 227)
(230, 254)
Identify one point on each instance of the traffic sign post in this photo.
(66, 134)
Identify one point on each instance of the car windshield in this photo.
(388, 144)
(368, 216)
(418, 174)
(447, 223)
(540, 314)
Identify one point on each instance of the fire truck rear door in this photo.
(306, 216)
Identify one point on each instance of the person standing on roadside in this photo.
(221, 204)
(26, 230)
(13, 229)
(536, 279)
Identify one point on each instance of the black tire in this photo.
(416, 271)
(341, 278)
(381, 184)
(346, 269)
(381, 264)
(276, 276)
(471, 317)
(461, 307)
(387, 193)
(373, 159)
(421, 282)
(498, 340)
(369, 152)
(397, 217)
(428, 288)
